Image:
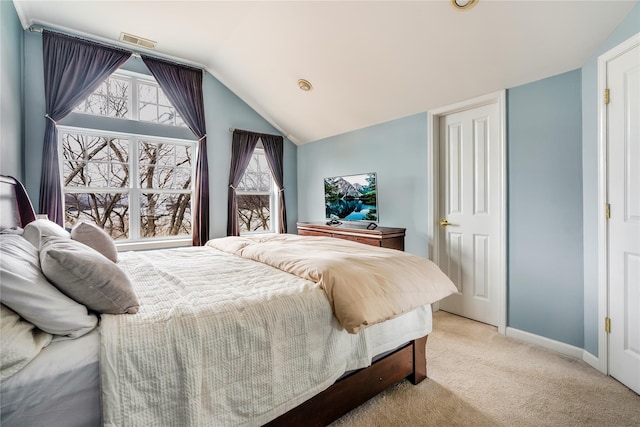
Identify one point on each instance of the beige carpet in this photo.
(480, 378)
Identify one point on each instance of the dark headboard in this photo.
(16, 209)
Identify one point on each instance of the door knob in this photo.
(444, 223)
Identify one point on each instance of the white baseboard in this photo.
(560, 347)
(592, 360)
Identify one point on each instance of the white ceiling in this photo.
(369, 62)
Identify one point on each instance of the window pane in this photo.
(110, 99)
(164, 165)
(183, 155)
(93, 104)
(74, 175)
(165, 215)
(119, 176)
(257, 177)
(103, 89)
(147, 94)
(119, 150)
(97, 174)
(182, 178)
(147, 102)
(108, 210)
(162, 98)
(148, 112)
(166, 115)
(254, 212)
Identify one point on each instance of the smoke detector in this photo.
(138, 41)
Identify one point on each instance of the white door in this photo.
(470, 211)
(623, 182)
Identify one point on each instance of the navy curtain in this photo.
(273, 150)
(73, 69)
(183, 87)
(243, 144)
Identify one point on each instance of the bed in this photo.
(219, 335)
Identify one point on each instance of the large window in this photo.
(256, 196)
(136, 187)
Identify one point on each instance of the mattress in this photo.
(59, 388)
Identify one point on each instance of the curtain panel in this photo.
(73, 69)
(273, 150)
(183, 87)
(243, 144)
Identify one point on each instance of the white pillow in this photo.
(87, 276)
(20, 342)
(36, 230)
(25, 290)
(96, 238)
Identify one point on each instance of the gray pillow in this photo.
(25, 290)
(96, 238)
(87, 276)
(37, 230)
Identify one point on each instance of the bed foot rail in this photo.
(353, 390)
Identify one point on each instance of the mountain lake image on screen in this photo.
(351, 197)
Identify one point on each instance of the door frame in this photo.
(603, 172)
(433, 122)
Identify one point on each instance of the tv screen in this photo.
(351, 197)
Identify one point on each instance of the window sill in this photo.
(256, 233)
(154, 244)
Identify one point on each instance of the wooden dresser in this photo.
(387, 237)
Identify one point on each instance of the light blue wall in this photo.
(545, 271)
(223, 110)
(396, 151)
(11, 99)
(590, 99)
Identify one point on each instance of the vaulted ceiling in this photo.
(368, 61)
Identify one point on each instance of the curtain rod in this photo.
(250, 131)
(121, 46)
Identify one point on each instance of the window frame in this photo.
(273, 198)
(134, 191)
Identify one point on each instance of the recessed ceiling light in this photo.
(463, 4)
(304, 85)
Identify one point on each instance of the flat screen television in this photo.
(351, 197)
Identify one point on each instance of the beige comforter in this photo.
(365, 284)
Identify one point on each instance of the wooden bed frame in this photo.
(408, 361)
(353, 390)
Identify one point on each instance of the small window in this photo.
(256, 196)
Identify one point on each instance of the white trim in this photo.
(433, 168)
(557, 346)
(143, 245)
(591, 360)
(603, 237)
(433, 118)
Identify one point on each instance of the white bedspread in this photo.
(221, 340)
